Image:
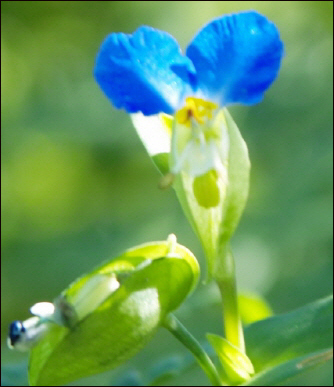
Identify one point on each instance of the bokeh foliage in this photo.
(78, 187)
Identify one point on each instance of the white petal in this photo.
(31, 323)
(152, 132)
(96, 290)
(43, 309)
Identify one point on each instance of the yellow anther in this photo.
(197, 109)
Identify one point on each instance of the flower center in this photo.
(199, 148)
(197, 110)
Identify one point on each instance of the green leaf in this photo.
(282, 346)
(274, 376)
(214, 226)
(154, 280)
(284, 337)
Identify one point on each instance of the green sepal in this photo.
(154, 280)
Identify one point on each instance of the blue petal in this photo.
(236, 57)
(145, 71)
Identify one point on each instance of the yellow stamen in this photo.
(197, 109)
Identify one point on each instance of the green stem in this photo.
(224, 274)
(186, 338)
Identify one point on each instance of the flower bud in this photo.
(108, 315)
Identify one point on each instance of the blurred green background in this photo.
(78, 187)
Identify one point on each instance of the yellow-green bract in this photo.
(154, 280)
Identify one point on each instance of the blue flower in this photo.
(232, 59)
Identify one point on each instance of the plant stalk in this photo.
(189, 341)
(224, 275)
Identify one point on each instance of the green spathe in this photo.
(154, 280)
